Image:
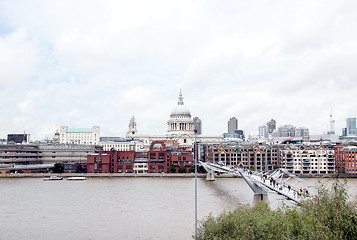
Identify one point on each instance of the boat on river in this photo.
(76, 178)
(53, 178)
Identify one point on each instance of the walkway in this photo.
(273, 181)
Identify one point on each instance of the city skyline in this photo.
(94, 63)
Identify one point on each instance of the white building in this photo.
(302, 159)
(84, 136)
(180, 122)
(122, 145)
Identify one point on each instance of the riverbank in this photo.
(98, 175)
(168, 175)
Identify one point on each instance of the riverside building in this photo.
(250, 156)
(308, 159)
(159, 159)
(84, 136)
(346, 160)
(41, 157)
(120, 144)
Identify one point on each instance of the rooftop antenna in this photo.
(332, 124)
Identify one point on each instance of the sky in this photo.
(90, 63)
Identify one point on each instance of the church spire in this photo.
(132, 128)
(180, 98)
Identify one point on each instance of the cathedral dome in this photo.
(180, 119)
(180, 110)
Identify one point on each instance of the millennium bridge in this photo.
(278, 181)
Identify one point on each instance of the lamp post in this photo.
(195, 148)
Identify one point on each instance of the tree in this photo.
(182, 169)
(58, 168)
(192, 168)
(330, 216)
(172, 168)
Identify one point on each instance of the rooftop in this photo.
(79, 130)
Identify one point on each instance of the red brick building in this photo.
(99, 162)
(157, 156)
(346, 159)
(157, 160)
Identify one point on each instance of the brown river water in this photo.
(118, 208)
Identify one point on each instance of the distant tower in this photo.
(232, 125)
(271, 126)
(332, 125)
(56, 138)
(351, 126)
(198, 125)
(262, 131)
(132, 128)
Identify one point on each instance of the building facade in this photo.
(159, 159)
(262, 131)
(27, 156)
(120, 144)
(351, 126)
(346, 160)
(286, 131)
(271, 126)
(255, 157)
(18, 138)
(232, 125)
(303, 159)
(82, 136)
(197, 125)
(302, 132)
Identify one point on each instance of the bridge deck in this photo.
(291, 194)
(257, 183)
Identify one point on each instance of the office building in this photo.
(18, 138)
(351, 126)
(286, 131)
(271, 126)
(302, 132)
(198, 125)
(262, 131)
(232, 125)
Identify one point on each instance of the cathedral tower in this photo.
(180, 119)
(132, 128)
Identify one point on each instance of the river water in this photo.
(117, 208)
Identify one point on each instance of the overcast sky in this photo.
(83, 63)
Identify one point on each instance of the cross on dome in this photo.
(180, 98)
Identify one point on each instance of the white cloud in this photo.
(90, 63)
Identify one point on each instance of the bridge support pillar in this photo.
(258, 197)
(210, 176)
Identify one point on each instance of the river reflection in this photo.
(117, 208)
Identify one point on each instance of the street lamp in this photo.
(195, 148)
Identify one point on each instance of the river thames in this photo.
(118, 208)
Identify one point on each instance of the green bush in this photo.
(58, 168)
(182, 169)
(172, 168)
(330, 216)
